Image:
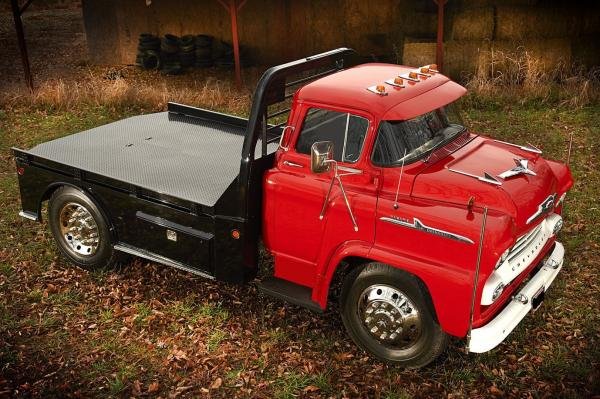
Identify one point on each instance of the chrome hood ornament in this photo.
(521, 169)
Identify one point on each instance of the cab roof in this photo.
(349, 88)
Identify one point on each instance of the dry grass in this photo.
(129, 87)
(520, 75)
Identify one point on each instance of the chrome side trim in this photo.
(151, 256)
(529, 148)
(292, 164)
(28, 215)
(350, 170)
(418, 225)
(486, 178)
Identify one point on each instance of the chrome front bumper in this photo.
(489, 336)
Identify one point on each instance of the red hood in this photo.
(518, 196)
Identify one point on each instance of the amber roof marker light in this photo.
(378, 89)
(397, 82)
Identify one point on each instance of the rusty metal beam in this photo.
(233, 7)
(17, 12)
(439, 47)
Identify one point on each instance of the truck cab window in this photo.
(346, 131)
(417, 137)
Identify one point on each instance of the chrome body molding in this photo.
(521, 169)
(153, 257)
(528, 148)
(546, 206)
(486, 178)
(418, 225)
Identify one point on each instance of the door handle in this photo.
(292, 164)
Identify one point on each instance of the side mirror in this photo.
(320, 153)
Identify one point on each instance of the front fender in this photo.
(325, 275)
(450, 289)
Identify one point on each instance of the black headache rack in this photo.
(268, 117)
(180, 170)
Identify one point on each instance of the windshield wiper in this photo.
(443, 142)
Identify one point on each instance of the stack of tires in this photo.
(172, 54)
(169, 48)
(203, 51)
(187, 48)
(148, 54)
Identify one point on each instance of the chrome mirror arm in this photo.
(337, 177)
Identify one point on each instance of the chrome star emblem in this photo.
(520, 169)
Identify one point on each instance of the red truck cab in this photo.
(403, 220)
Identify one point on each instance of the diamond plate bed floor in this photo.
(189, 158)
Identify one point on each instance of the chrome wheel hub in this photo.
(79, 229)
(389, 316)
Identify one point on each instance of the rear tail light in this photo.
(20, 171)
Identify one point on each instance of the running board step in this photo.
(289, 292)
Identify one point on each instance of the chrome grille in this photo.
(526, 242)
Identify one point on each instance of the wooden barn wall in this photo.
(393, 30)
(273, 30)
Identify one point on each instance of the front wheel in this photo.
(388, 314)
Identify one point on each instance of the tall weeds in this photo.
(95, 88)
(520, 76)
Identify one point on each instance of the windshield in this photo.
(416, 137)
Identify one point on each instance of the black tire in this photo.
(103, 256)
(150, 60)
(429, 339)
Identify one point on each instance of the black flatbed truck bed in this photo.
(179, 171)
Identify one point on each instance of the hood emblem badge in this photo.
(546, 206)
(418, 225)
(521, 169)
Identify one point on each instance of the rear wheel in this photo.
(80, 230)
(387, 313)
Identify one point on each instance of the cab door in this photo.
(302, 241)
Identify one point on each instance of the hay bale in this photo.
(460, 58)
(543, 54)
(417, 54)
(516, 23)
(473, 24)
(418, 24)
